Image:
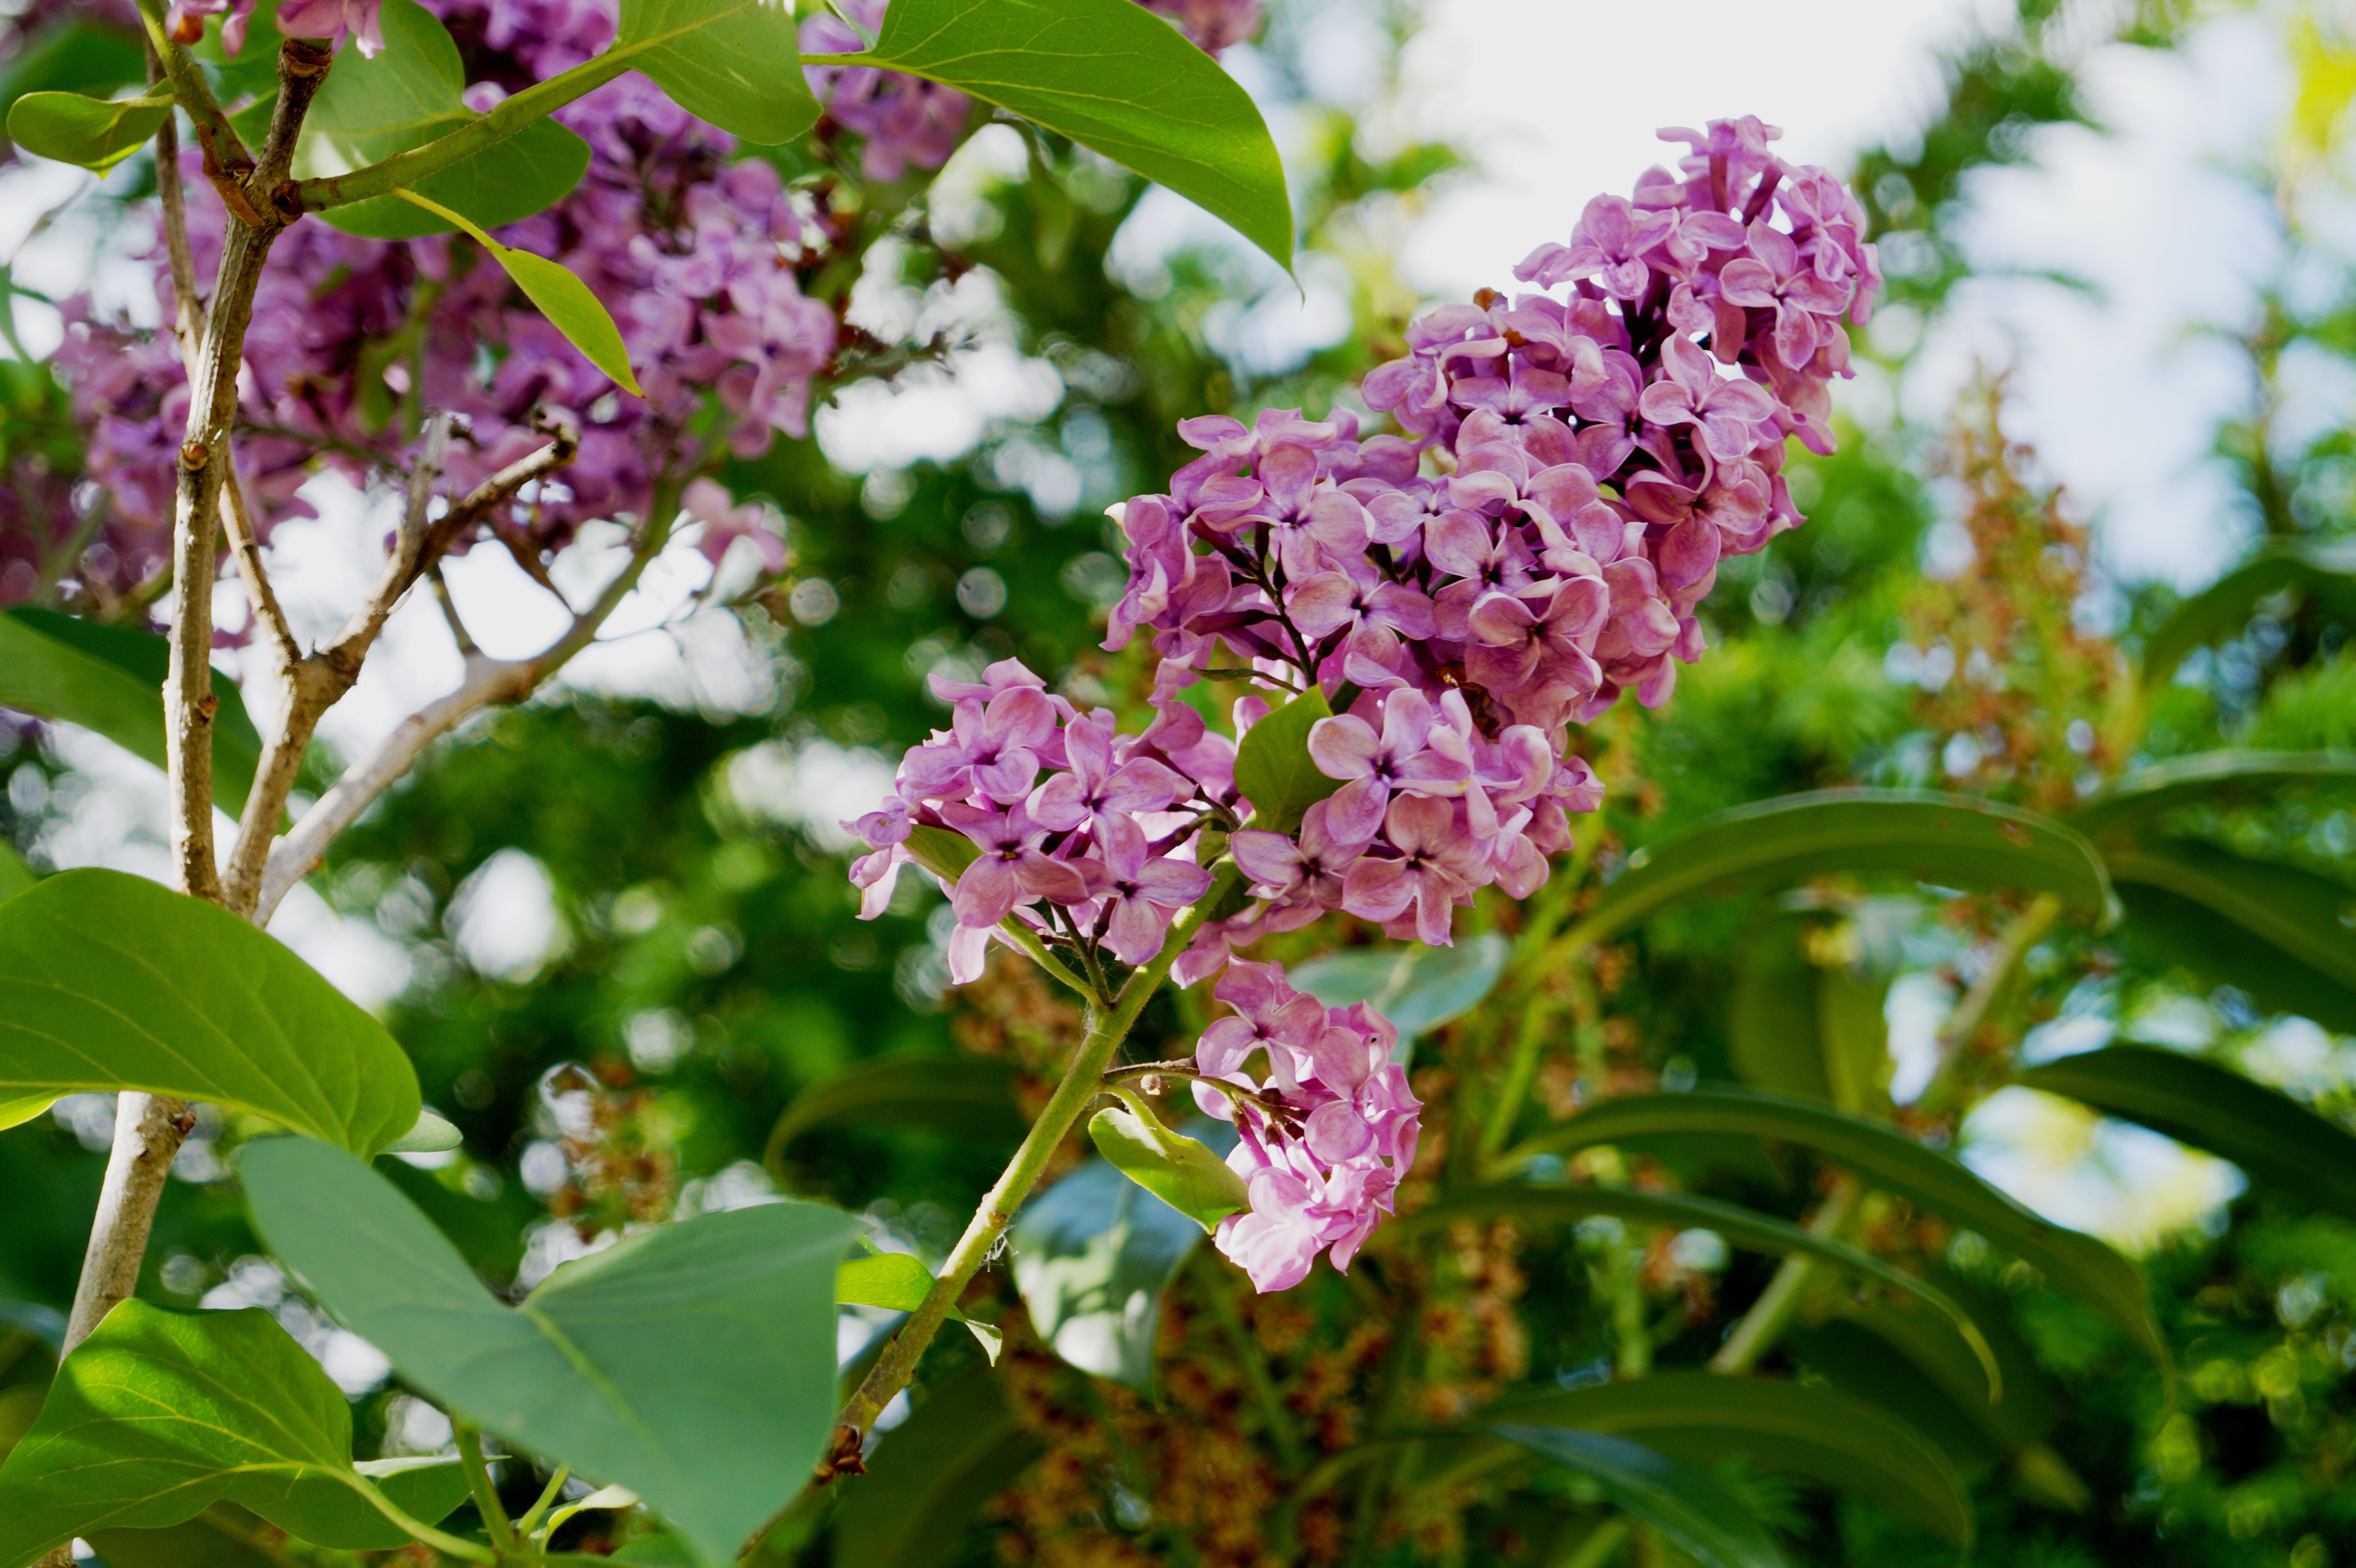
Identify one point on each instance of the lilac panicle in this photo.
(1565, 469)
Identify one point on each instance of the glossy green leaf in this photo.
(1887, 1159)
(692, 1363)
(2305, 924)
(110, 982)
(109, 679)
(1092, 1256)
(1784, 1428)
(1691, 1511)
(95, 132)
(1113, 77)
(932, 1474)
(1173, 1168)
(2268, 1134)
(1417, 987)
(2207, 778)
(158, 1415)
(562, 297)
(367, 110)
(735, 63)
(2321, 572)
(1951, 841)
(971, 1099)
(1683, 1212)
(1273, 770)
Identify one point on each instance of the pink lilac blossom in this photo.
(694, 255)
(1566, 472)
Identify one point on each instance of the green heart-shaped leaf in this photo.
(692, 1363)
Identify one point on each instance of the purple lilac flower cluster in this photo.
(693, 254)
(1567, 473)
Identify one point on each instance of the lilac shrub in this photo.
(1531, 540)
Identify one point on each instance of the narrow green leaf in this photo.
(1884, 1157)
(931, 1477)
(1273, 769)
(1690, 1510)
(1112, 76)
(158, 1415)
(564, 299)
(1417, 987)
(1954, 841)
(369, 110)
(2310, 920)
(2206, 778)
(1784, 1428)
(1683, 1212)
(692, 1363)
(95, 132)
(735, 63)
(2323, 573)
(1174, 1169)
(110, 982)
(109, 679)
(2268, 1134)
(1092, 1256)
(973, 1100)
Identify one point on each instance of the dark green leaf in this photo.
(1784, 1428)
(1884, 1157)
(1273, 769)
(407, 96)
(158, 1415)
(692, 1363)
(2321, 572)
(2308, 919)
(931, 1476)
(2269, 1135)
(736, 63)
(1952, 841)
(108, 982)
(1690, 1510)
(1174, 1169)
(1112, 76)
(1417, 987)
(2208, 778)
(1682, 1211)
(95, 132)
(109, 679)
(1092, 1256)
(973, 1100)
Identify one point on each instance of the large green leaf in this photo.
(2284, 935)
(2269, 1135)
(1112, 76)
(2322, 573)
(95, 132)
(1273, 768)
(2206, 778)
(1691, 1511)
(407, 96)
(1417, 987)
(931, 1476)
(692, 1363)
(110, 982)
(1952, 841)
(157, 1415)
(1887, 1159)
(972, 1100)
(110, 679)
(1092, 1256)
(736, 63)
(1683, 1212)
(1784, 1428)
